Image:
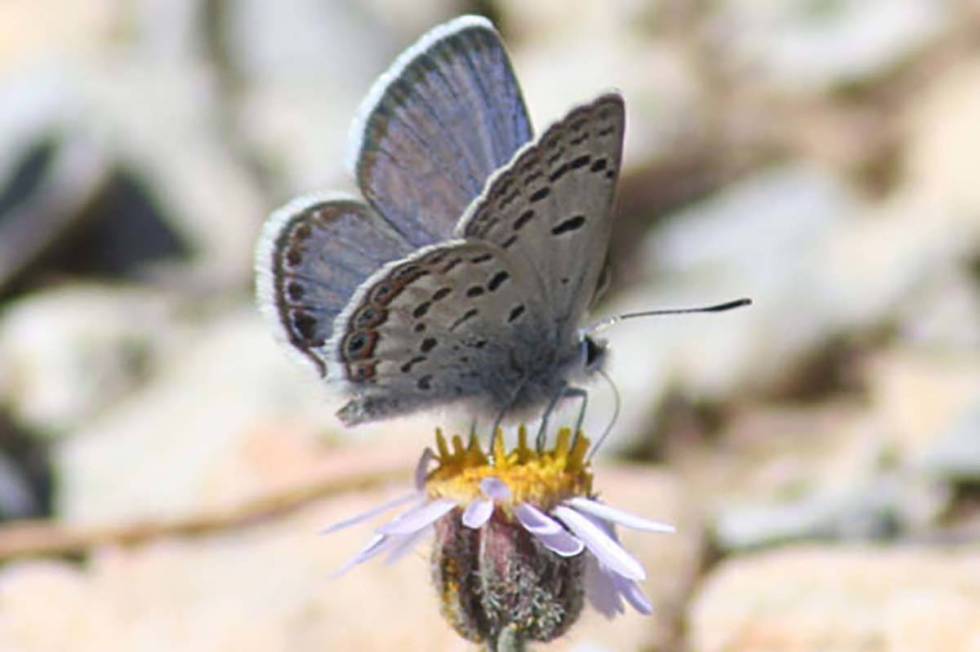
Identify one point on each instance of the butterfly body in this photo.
(465, 275)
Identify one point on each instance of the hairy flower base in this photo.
(519, 538)
(500, 576)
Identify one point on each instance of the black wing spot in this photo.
(469, 314)
(540, 194)
(509, 241)
(451, 264)
(464, 359)
(610, 174)
(409, 273)
(564, 280)
(295, 291)
(294, 257)
(303, 231)
(497, 280)
(442, 293)
(571, 224)
(423, 308)
(606, 131)
(599, 165)
(305, 324)
(428, 344)
(482, 258)
(580, 161)
(475, 291)
(531, 178)
(515, 313)
(558, 172)
(506, 201)
(578, 139)
(419, 327)
(555, 157)
(425, 382)
(479, 344)
(407, 367)
(523, 219)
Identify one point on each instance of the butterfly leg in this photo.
(580, 393)
(542, 429)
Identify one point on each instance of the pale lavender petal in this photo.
(617, 516)
(606, 549)
(422, 468)
(406, 545)
(561, 542)
(478, 513)
(371, 513)
(535, 521)
(495, 489)
(548, 531)
(377, 545)
(633, 594)
(416, 519)
(601, 590)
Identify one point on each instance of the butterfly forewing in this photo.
(313, 255)
(551, 206)
(454, 321)
(445, 116)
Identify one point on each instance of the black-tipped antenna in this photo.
(720, 307)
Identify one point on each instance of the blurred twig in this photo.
(45, 538)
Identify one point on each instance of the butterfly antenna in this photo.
(719, 307)
(617, 404)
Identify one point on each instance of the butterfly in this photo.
(464, 273)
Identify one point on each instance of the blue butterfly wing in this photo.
(313, 255)
(445, 116)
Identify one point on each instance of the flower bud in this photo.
(499, 577)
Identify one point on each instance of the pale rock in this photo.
(793, 473)
(31, 30)
(853, 598)
(807, 47)
(70, 353)
(920, 395)
(955, 457)
(944, 129)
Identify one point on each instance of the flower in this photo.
(519, 537)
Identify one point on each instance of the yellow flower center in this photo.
(543, 479)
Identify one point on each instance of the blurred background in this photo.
(164, 466)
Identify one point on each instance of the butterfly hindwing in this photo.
(551, 206)
(435, 127)
(313, 255)
(454, 321)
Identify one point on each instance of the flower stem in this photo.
(510, 639)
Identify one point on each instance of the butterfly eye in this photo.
(593, 353)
